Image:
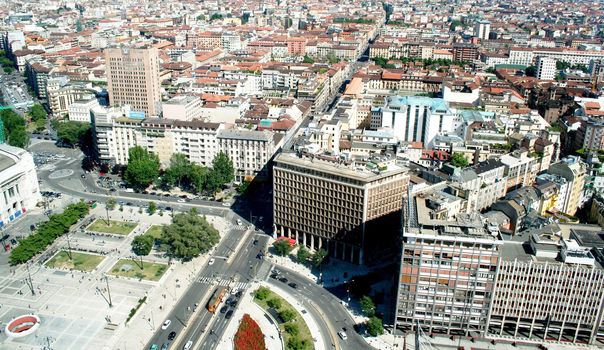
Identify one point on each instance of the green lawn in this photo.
(155, 231)
(131, 268)
(81, 261)
(299, 321)
(114, 227)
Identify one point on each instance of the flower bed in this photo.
(249, 335)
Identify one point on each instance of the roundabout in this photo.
(22, 326)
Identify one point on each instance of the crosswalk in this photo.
(223, 282)
(239, 227)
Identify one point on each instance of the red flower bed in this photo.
(249, 335)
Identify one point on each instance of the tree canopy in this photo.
(14, 128)
(189, 235)
(222, 171)
(459, 160)
(367, 306)
(374, 326)
(282, 247)
(142, 245)
(319, 257)
(72, 133)
(143, 167)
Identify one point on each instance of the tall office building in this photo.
(482, 29)
(350, 209)
(546, 68)
(133, 79)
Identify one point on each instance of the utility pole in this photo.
(29, 281)
(69, 246)
(108, 291)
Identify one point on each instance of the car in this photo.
(224, 309)
(167, 195)
(166, 324)
(275, 276)
(83, 176)
(129, 203)
(145, 192)
(153, 347)
(172, 335)
(164, 346)
(184, 196)
(112, 190)
(226, 204)
(181, 201)
(283, 279)
(211, 261)
(169, 208)
(255, 242)
(188, 345)
(229, 314)
(239, 294)
(343, 335)
(293, 285)
(153, 193)
(231, 301)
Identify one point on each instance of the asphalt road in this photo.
(326, 308)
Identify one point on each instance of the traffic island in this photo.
(134, 269)
(75, 261)
(121, 228)
(296, 334)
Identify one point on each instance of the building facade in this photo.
(546, 68)
(343, 209)
(249, 150)
(133, 79)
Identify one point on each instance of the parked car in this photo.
(343, 335)
(211, 261)
(166, 324)
(188, 345)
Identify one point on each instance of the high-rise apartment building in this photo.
(546, 68)
(573, 170)
(346, 208)
(447, 271)
(482, 29)
(133, 79)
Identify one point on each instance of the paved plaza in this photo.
(74, 306)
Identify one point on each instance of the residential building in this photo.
(79, 111)
(62, 93)
(447, 270)
(520, 169)
(482, 29)
(133, 79)
(249, 150)
(326, 203)
(546, 68)
(18, 183)
(573, 170)
(182, 107)
(413, 118)
(481, 185)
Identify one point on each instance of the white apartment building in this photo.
(482, 29)
(183, 107)
(18, 183)
(546, 68)
(62, 93)
(79, 111)
(413, 118)
(526, 56)
(250, 151)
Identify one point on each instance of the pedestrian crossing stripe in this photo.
(222, 282)
(239, 228)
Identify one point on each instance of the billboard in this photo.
(136, 115)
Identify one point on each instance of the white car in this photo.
(211, 261)
(343, 335)
(239, 222)
(166, 324)
(188, 345)
(226, 204)
(181, 200)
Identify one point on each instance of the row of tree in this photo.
(7, 65)
(14, 128)
(283, 247)
(47, 232)
(144, 169)
(374, 325)
(383, 62)
(72, 133)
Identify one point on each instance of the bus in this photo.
(216, 299)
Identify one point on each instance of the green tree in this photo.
(295, 343)
(201, 18)
(14, 128)
(308, 59)
(282, 247)
(222, 171)
(198, 178)
(110, 205)
(178, 171)
(72, 133)
(303, 255)
(37, 112)
(189, 235)
(374, 326)
(459, 160)
(292, 329)
(275, 303)
(367, 306)
(142, 245)
(287, 315)
(79, 27)
(152, 208)
(143, 167)
(215, 16)
(530, 71)
(332, 59)
(262, 293)
(319, 257)
(243, 187)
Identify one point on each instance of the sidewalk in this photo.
(272, 337)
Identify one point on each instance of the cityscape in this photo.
(292, 175)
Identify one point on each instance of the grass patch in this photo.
(303, 333)
(155, 231)
(130, 268)
(81, 261)
(114, 227)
